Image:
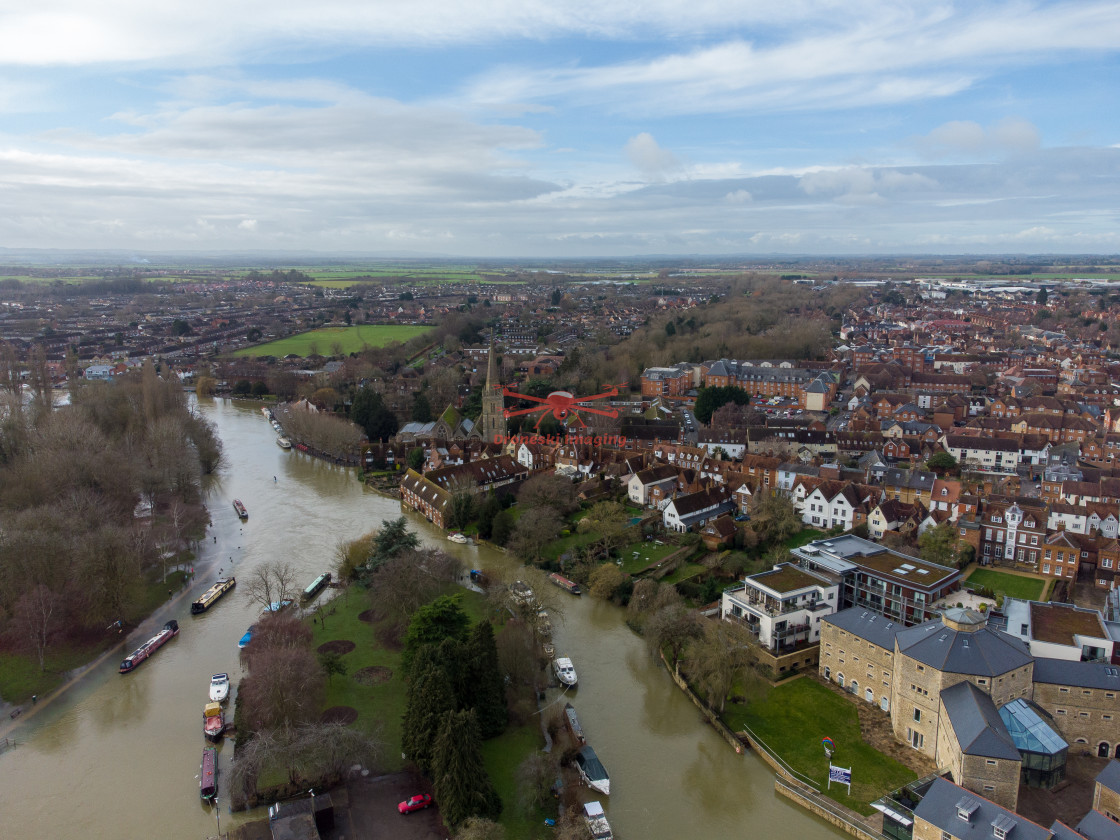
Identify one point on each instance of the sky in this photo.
(545, 128)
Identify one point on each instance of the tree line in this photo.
(93, 496)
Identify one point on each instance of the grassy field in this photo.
(503, 755)
(379, 705)
(1014, 586)
(348, 339)
(648, 553)
(684, 572)
(793, 718)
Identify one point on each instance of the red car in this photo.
(414, 803)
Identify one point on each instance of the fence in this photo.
(826, 809)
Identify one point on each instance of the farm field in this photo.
(348, 340)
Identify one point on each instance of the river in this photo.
(117, 756)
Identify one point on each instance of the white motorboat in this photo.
(592, 771)
(565, 671)
(458, 538)
(219, 688)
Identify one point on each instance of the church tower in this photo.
(493, 419)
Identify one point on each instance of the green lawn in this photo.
(503, 755)
(648, 553)
(569, 543)
(793, 718)
(1014, 586)
(379, 704)
(684, 572)
(348, 340)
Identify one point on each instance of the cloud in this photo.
(860, 184)
(247, 224)
(876, 54)
(650, 158)
(738, 197)
(967, 138)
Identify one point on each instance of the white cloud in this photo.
(650, 158)
(738, 197)
(964, 137)
(247, 224)
(882, 53)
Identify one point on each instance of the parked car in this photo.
(414, 803)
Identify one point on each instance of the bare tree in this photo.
(35, 620)
(717, 658)
(271, 583)
(400, 585)
(284, 688)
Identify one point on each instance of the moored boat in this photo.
(521, 592)
(277, 606)
(243, 642)
(573, 723)
(565, 671)
(207, 598)
(213, 721)
(564, 583)
(170, 631)
(544, 624)
(219, 688)
(592, 771)
(597, 821)
(283, 442)
(458, 538)
(266, 411)
(242, 512)
(316, 586)
(208, 774)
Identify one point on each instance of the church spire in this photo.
(493, 418)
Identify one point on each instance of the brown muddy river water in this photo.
(118, 756)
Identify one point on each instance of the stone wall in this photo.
(843, 654)
(1085, 717)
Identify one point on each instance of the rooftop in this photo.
(1060, 624)
(787, 578)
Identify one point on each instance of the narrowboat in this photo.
(208, 775)
(207, 598)
(564, 583)
(213, 721)
(316, 586)
(592, 771)
(573, 723)
(170, 631)
(240, 508)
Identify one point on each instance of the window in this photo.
(917, 714)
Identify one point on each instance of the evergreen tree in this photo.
(421, 408)
(369, 411)
(483, 686)
(442, 619)
(462, 786)
(429, 699)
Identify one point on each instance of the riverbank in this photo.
(20, 676)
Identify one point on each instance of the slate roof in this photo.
(1081, 674)
(985, 652)
(976, 722)
(867, 625)
(1061, 831)
(939, 808)
(1109, 777)
(1096, 826)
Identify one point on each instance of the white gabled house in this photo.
(694, 510)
